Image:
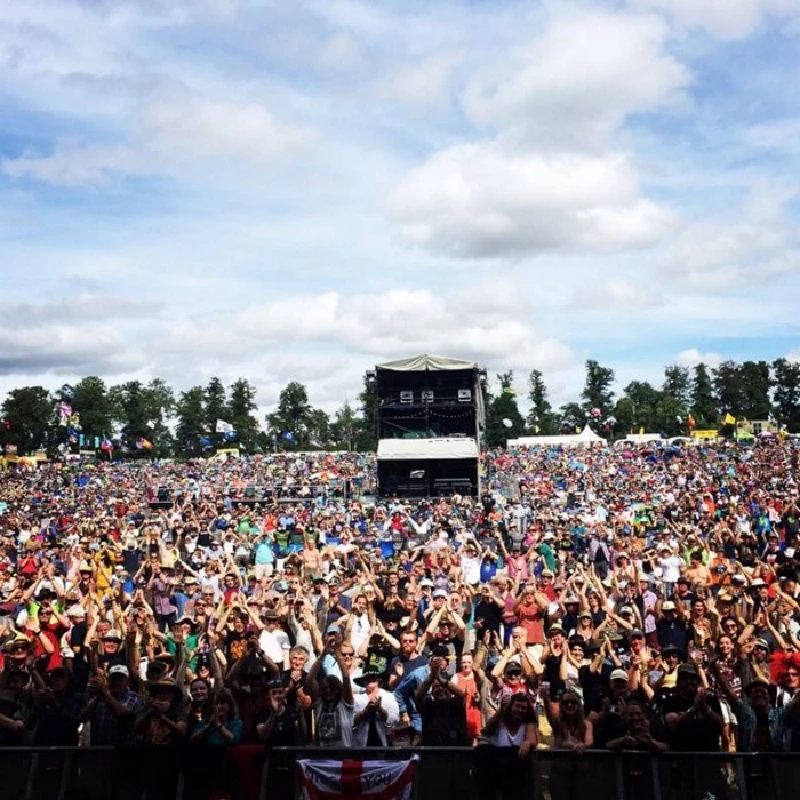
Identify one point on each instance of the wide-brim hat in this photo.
(17, 640)
(165, 684)
(367, 677)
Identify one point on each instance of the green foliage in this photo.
(541, 419)
(704, 407)
(500, 408)
(597, 391)
(242, 404)
(787, 393)
(191, 422)
(29, 419)
(90, 400)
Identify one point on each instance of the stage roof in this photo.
(421, 449)
(426, 361)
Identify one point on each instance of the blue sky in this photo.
(300, 190)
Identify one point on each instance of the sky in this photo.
(298, 191)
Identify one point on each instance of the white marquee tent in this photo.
(585, 438)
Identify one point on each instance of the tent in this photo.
(425, 361)
(744, 436)
(585, 438)
(640, 438)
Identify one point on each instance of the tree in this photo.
(345, 427)
(755, 385)
(500, 408)
(159, 400)
(191, 426)
(293, 415)
(241, 406)
(90, 400)
(787, 393)
(597, 391)
(541, 418)
(571, 417)
(727, 380)
(645, 406)
(216, 407)
(320, 436)
(678, 385)
(28, 415)
(704, 409)
(129, 404)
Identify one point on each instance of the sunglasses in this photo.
(569, 704)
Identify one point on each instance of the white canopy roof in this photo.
(641, 438)
(425, 361)
(586, 437)
(421, 449)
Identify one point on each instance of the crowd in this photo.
(602, 599)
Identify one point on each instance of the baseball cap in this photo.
(439, 593)
(119, 669)
(619, 675)
(668, 605)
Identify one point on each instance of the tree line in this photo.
(179, 424)
(184, 424)
(701, 397)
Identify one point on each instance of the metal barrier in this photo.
(482, 773)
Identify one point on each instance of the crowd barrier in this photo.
(483, 773)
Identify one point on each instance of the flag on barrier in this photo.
(367, 780)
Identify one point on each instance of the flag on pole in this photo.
(224, 427)
(365, 780)
(729, 420)
(106, 446)
(287, 436)
(143, 444)
(690, 421)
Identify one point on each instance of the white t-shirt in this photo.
(273, 643)
(671, 568)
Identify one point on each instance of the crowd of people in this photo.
(641, 600)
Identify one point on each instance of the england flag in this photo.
(365, 780)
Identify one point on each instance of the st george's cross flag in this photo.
(364, 780)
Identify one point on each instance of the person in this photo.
(282, 724)
(471, 682)
(375, 712)
(112, 709)
(58, 707)
(637, 734)
(333, 706)
(223, 726)
(14, 730)
(508, 738)
(441, 706)
(162, 720)
(572, 732)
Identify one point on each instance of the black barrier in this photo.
(481, 773)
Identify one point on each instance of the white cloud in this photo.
(692, 357)
(756, 245)
(341, 51)
(724, 19)
(27, 349)
(615, 294)
(575, 84)
(484, 200)
(425, 84)
(172, 131)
